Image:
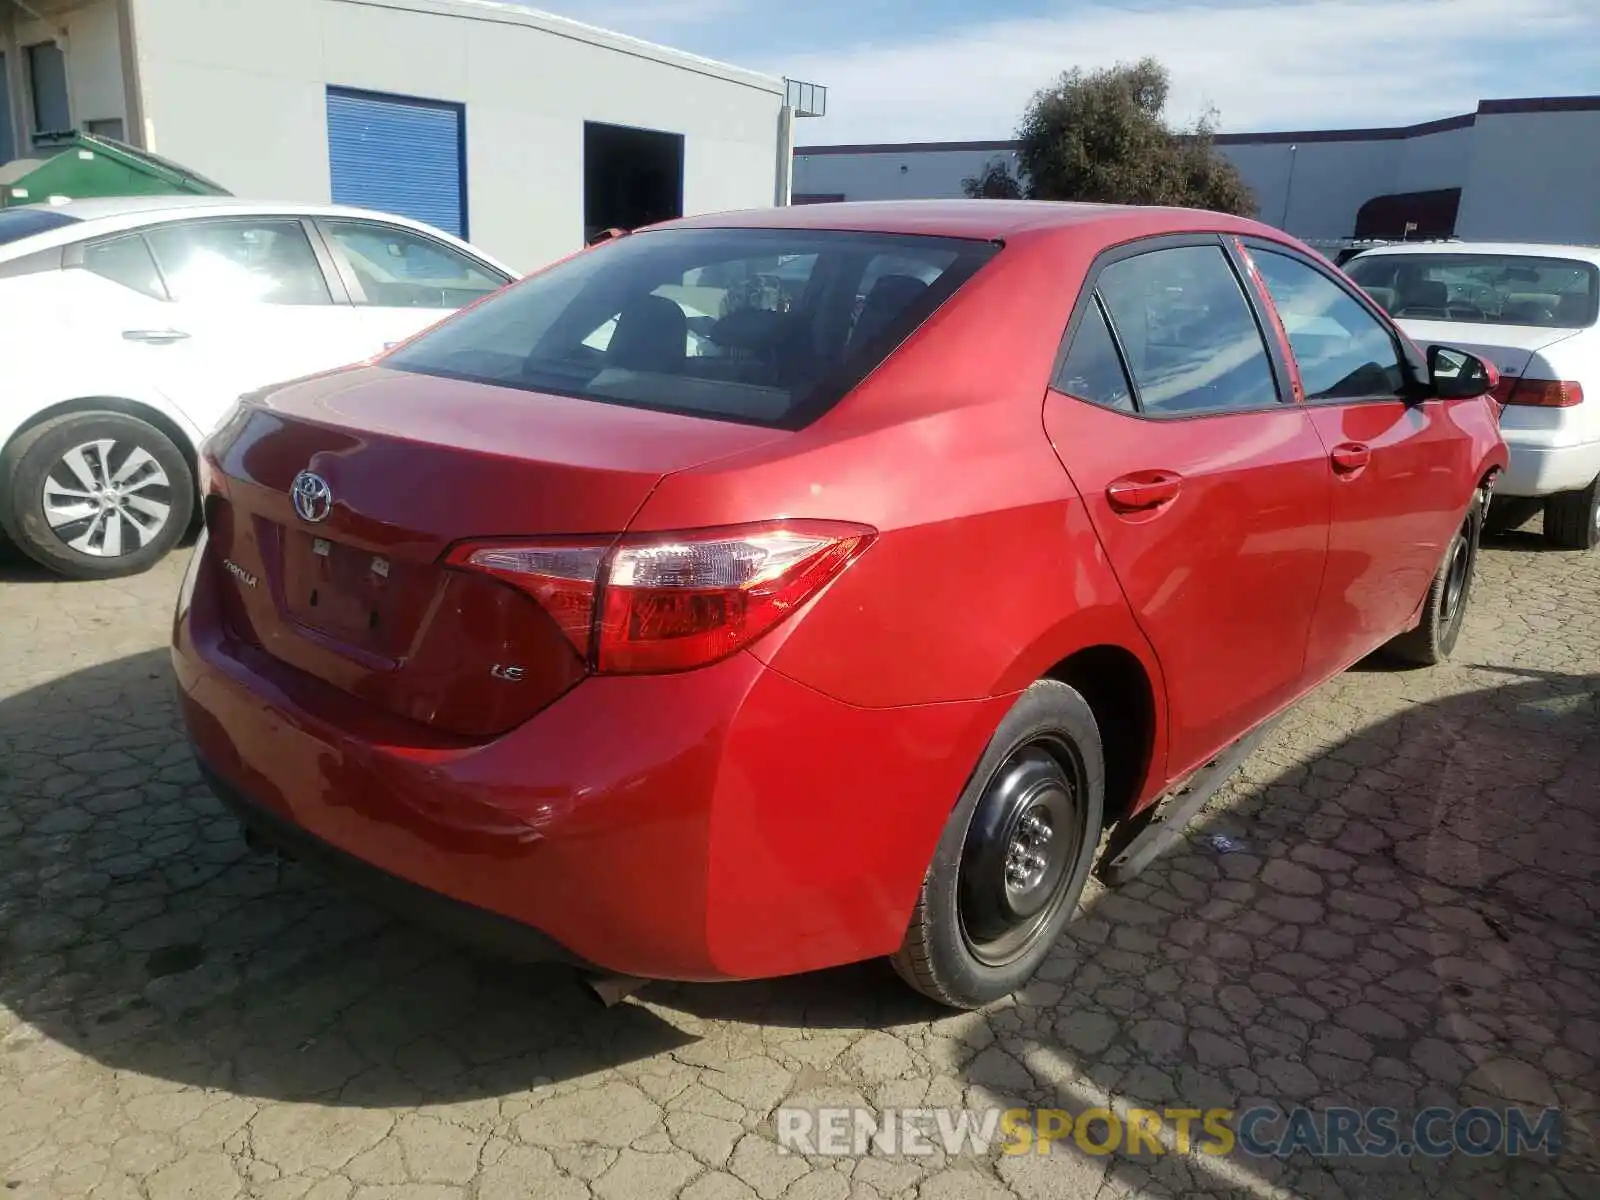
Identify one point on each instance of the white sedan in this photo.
(1531, 310)
(128, 328)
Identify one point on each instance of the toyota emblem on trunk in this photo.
(313, 498)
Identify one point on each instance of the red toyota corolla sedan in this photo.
(768, 591)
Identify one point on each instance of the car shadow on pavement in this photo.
(1403, 916)
(1525, 538)
(16, 567)
(138, 929)
(1525, 541)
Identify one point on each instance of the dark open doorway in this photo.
(1410, 215)
(631, 177)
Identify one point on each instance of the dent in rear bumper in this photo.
(462, 922)
(722, 823)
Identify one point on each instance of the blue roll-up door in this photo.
(398, 155)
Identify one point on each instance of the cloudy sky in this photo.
(931, 70)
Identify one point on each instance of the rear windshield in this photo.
(18, 223)
(763, 326)
(1492, 289)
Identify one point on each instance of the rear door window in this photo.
(243, 261)
(1188, 334)
(767, 326)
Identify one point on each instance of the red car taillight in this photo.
(669, 602)
(1539, 393)
(560, 576)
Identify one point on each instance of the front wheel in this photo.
(1443, 612)
(1572, 519)
(1014, 857)
(96, 495)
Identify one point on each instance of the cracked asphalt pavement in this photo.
(1405, 915)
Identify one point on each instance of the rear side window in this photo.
(1093, 369)
(1188, 334)
(18, 223)
(126, 260)
(1487, 289)
(764, 326)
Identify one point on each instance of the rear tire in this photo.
(1444, 611)
(95, 495)
(1014, 857)
(1572, 519)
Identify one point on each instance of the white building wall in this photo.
(1265, 171)
(1432, 161)
(1312, 189)
(94, 65)
(237, 91)
(921, 174)
(1331, 180)
(11, 131)
(1534, 173)
(1526, 175)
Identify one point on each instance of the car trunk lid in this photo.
(1511, 348)
(412, 464)
(1524, 356)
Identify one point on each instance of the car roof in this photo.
(976, 219)
(108, 214)
(1588, 254)
(107, 207)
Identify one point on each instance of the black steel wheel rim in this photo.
(1022, 850)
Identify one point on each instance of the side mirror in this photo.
(1456, 375)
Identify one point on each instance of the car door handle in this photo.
(1143, 491)
(1350, 457)
(154, 337)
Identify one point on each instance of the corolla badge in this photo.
(313, 498)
